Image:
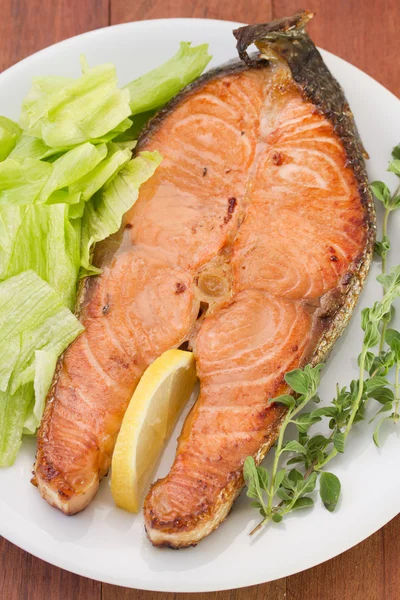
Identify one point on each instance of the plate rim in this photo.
(249, 578)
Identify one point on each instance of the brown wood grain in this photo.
(245, 11)
(24, 577)
(27, 26)
(358, 574)
(270, 591)
(391, 559)
(364, 32)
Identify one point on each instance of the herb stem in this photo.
(383, 262)
(276, 461)
(354, 409)
(396, 192)
(259, 526)
(384, 234)
(359, 395)
(397, 393)
(315, 466)
(271, 491)
(291, 413)
(348, 407)
(388, 210)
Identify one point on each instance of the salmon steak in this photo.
(250, 244)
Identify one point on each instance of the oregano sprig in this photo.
(285, 489)
(391, 202)
(291, 487)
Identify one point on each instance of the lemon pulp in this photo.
(149, 420)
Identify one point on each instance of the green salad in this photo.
(67, 177)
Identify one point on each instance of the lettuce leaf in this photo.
(14, 409)
(67, 177)
(41, 238)
(103, 214)
(33, 147)
(35, 327)
(22, 182)
(71, 166)
(89, 184)
(32, 317)
(74, 176)
(45, 364)
(155, 88)
(63, 111)
(9, 135)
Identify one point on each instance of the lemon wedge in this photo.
(162, 392)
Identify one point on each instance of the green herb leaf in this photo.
(368, 361)
(375, 382)
(375, 436)
(365, 318)
(294, 446)
(279, 476)
(371, 337)
(304, 502)
(318, 442)
(338, 441)
(329, 489)
(381, 192)
(391, 283)
(382, 363)
(304, 381)
(305, 420)
(295, 476)
(297, 381)
(396, 152)
(296, 460)
(394, 166)
(392, 338)
(308, 485)
(383, 395)
(284, 400)
(324, 411)
(382, 248)
(250, 475)
(263, 478)
(395, 202)
(256, 505)
(277, 517)
(284, 494)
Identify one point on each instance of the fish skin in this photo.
(52, 470)
(96, 376)
(316, 84)
(167, 522)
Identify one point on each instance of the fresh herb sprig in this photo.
(277, 492)
(391, 202)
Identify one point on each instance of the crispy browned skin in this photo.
(145, 302)
(131, 314)
(259, 216)
(296, 264)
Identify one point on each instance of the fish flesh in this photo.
(298, 256)
(250, 243)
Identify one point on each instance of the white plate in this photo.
(108, 544)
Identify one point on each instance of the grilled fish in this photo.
(298, 256)
(251, 242)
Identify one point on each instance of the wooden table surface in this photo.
(367, 34)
